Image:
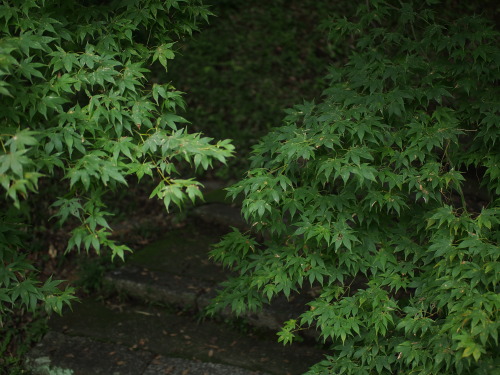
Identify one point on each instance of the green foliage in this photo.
(385, 194)
(18, 335)
(256, 58)
(77, 109)
(91, 274)
(43, 366)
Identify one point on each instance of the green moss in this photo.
(180, 251)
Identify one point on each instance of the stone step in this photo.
(135, 337)
(60, 354)
(177, 271)
(125, 339)
(221, 214)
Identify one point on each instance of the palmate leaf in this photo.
(163, 53)
(14, 162)
(29, 69)
(68, 207)
(19, 141)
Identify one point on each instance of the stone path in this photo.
(160, 328)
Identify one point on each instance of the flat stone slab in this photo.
(187, 292)
(154, 286)
(177, 271)
(196, 294)
(178, 366)
(139, 328)
(183, 251)
(222, 215)
(59, 354)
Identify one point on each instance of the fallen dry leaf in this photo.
(143, 313)
(52, 251)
